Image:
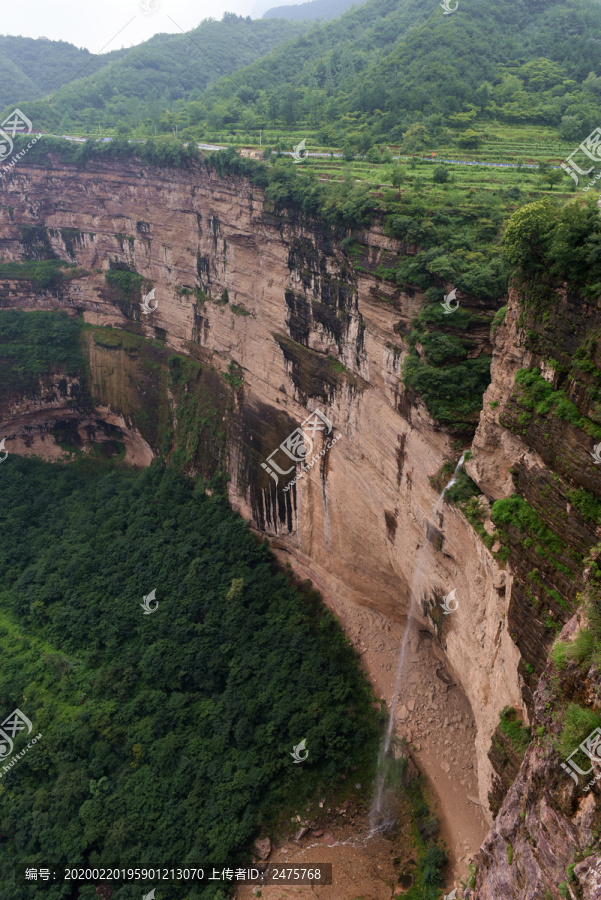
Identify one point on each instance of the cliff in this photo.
(545, 839)
(262, 318)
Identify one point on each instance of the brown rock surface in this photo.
(546, 822)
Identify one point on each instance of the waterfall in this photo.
(376, 809)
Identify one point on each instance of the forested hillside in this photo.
(384, 71)
(315, 9)
(166, 737)
(144, 81)
(33, 67)
(404, 70)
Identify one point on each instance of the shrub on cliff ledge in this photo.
(452, 394)
(585, 648)
(519, 734)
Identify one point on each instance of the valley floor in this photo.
(435, 716)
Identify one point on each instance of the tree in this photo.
(554, 177)
(470, 138)
(571, 128)
(440, 174)
(528, 234)
(397, 177)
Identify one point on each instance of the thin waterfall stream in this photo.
(379, 821)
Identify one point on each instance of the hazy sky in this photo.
(110, 24)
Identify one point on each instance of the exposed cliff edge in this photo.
(262, 319)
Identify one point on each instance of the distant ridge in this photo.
(315, 9)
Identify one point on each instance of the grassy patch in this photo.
(541, 398)
(578, 724)
(585, 648)
(42, 273)
(513, 728)
(516, 512)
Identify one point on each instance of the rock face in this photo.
(547, 822)
(534, 442)
(276, 324)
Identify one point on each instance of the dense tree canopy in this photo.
(143, 82)
(382, 71)
(166, 737)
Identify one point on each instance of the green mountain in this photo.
(31, 68)
(144, 81)
(390, 67)
(315, 9)
(383, 71)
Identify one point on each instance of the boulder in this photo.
(263, 847)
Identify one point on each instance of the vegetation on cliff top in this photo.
(553, 244)
(169, 735)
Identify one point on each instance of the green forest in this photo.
(382, 72)
(314, 9)
(166, 737)
(32, 67)
(139, 84)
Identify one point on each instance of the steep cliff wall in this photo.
(534, 454)
(287, 323)
(545, 840)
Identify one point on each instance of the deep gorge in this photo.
(262, 318)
